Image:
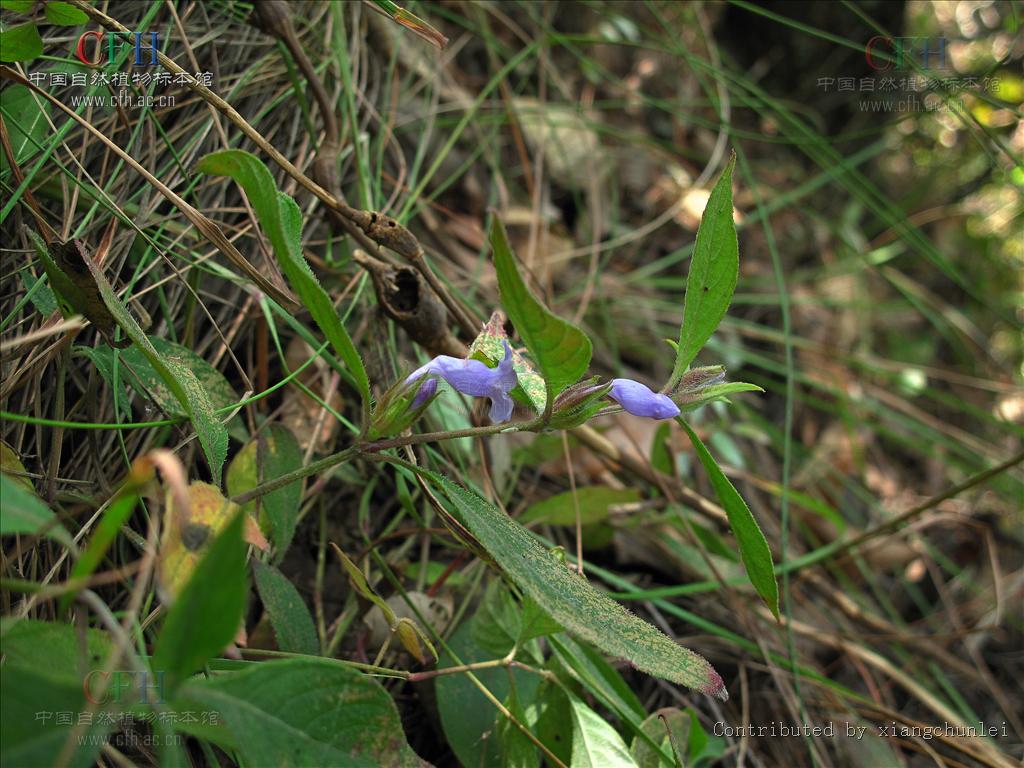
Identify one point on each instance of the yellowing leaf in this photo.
(190, 532)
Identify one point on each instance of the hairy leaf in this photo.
(21, 511)
(26, 123)
(595, 744)
(571, 600)
(183, 384)
(205, 615)
(276, 452)
(137, 370)
(64, 14)
(594, 502)
(42, 672)
(21, 43)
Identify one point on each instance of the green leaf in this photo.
(78, 292)
(21, 511)
(467, 717)
(672, 739)
(206, 614)
(43, 669)
(11, 466)
(26, 123)
(571, 600)
(714, 270)
(689, 403)
(64, 14)
(179, 378)
(595, 744)
(536, 622)
(136, 370)
(594, 502)
(20, 43)
(289, 616)
(282, 222)
(17, 6)
(561, 350)
(517, 751)
(498, 620)
(303, 712)
(599, 678)
(754, 551)
(411, 21)
(554, 720)
(275, 452)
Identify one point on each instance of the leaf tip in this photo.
(715, 686)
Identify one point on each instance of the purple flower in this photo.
(471, 377)
(639, 400)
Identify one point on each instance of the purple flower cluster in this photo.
(472, 377)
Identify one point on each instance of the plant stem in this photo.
(377, 446)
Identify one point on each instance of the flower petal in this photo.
(640, 400)
(471, 377)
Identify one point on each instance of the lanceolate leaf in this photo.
(137, 371)
(570, 600)
(561, 350)
(757, 557)
(282, 222)
(714, 269)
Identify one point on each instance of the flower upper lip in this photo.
(471, 377)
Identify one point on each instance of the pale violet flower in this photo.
(639, 400)
(470, 377)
